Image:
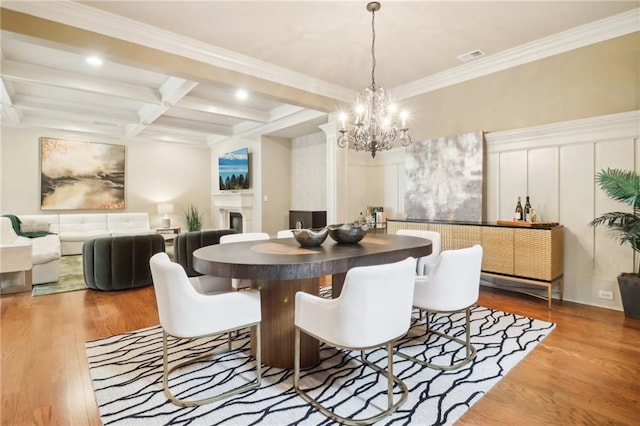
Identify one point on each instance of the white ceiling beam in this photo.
(275, 125)
(9, 114)
(19, 71)
(71, 118)
(6, 92)
(193, 126)
(284, 111)
(158, 135)
(37, 103)
(172, 91)
(203, 105)
(55, 124)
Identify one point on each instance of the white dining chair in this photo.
(186, 314)
(236, 283)
(452, 286)
(425, 263)
(284, 233)
(373, 310)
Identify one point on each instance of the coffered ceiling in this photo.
(171, 69)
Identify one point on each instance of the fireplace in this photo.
(234, 207)
(235, 221)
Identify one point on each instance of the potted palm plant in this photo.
(193, 217)
(624, 186)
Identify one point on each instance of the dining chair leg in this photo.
(426, 322)
(388, 372)
(471, 351)
(209, 355)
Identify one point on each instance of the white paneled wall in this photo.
(309, 172)
(555, 165)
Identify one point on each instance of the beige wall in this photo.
(276, 184)
(159, 172)
(600, 79)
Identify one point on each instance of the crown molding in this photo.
(586, 130)
(584, 35)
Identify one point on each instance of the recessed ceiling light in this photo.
(96, 61)
(241, 94)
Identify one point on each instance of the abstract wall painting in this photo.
(443, 178)
(81, 175)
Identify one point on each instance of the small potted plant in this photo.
(624, 186)
(193, 218)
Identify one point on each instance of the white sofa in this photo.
(128, 224)
(74, 229)
(39, 256)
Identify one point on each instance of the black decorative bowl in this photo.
(348, 233)
(310, 237)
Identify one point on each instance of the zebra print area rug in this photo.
(126, 371)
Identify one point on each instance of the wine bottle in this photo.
(519, 210)
(527, 210)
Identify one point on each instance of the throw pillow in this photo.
(34, 227)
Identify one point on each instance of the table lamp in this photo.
(165, 209)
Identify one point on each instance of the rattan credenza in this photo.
(517, 258)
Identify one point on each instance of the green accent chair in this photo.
(186, 243)
(120, 263)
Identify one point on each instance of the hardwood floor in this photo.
(586, 372)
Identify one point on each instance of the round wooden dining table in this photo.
(280, 267)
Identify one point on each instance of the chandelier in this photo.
(375, 127)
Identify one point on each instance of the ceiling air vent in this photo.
(105, 123)
(466, 57)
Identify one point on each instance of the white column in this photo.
(330, 131)
(336, 174)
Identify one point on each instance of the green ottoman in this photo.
(120, 263)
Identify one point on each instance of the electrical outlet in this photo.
(603, 294)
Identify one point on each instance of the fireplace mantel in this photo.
(238, 202)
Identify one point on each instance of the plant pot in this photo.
(630, 293)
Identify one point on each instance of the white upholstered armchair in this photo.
(426, 263)
(237, 283)
(186, 314)
(373, 310)
(452, 286)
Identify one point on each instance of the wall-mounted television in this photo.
(233, 170)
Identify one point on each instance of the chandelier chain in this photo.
(373, 48)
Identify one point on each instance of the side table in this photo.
(168, 233)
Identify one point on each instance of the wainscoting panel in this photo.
(576, 200)
(542, 180)
(492, 187)
(513, 181)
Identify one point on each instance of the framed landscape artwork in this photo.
(444, 178)
(81, 175)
